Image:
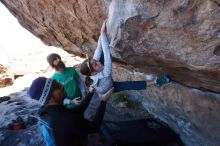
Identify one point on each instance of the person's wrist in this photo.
(91, 93)
(103, 34)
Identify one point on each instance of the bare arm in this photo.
(83, 104)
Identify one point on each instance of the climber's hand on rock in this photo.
(103, 29)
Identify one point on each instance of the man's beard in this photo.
(60, 67)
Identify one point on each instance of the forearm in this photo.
(84, 103)
(107, 57)
(98, 51)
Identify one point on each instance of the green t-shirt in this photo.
(70, 81)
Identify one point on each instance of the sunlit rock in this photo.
(175, 37)
(6, 77)
(165, 37)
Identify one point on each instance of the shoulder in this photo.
(71, 69)
(55, 76)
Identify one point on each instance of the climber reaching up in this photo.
(99, 73)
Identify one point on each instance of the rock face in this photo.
(192, 113)
(179, 38)
(6, 78)
(19, 104)
(68, 24)
(176, 37)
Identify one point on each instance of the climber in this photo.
(99, 75)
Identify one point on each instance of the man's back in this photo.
(67, 127)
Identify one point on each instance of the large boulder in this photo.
(192, 113)
(176, 37)
(72, 25)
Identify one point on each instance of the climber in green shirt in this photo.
(69, 77)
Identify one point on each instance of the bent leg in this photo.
(94, 126)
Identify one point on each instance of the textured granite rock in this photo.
(176, 37)
(192, 113)
(66, 24)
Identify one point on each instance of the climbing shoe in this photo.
(162, 80)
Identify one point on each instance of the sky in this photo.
(14, 39)
(21, 51)
(12, 34)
